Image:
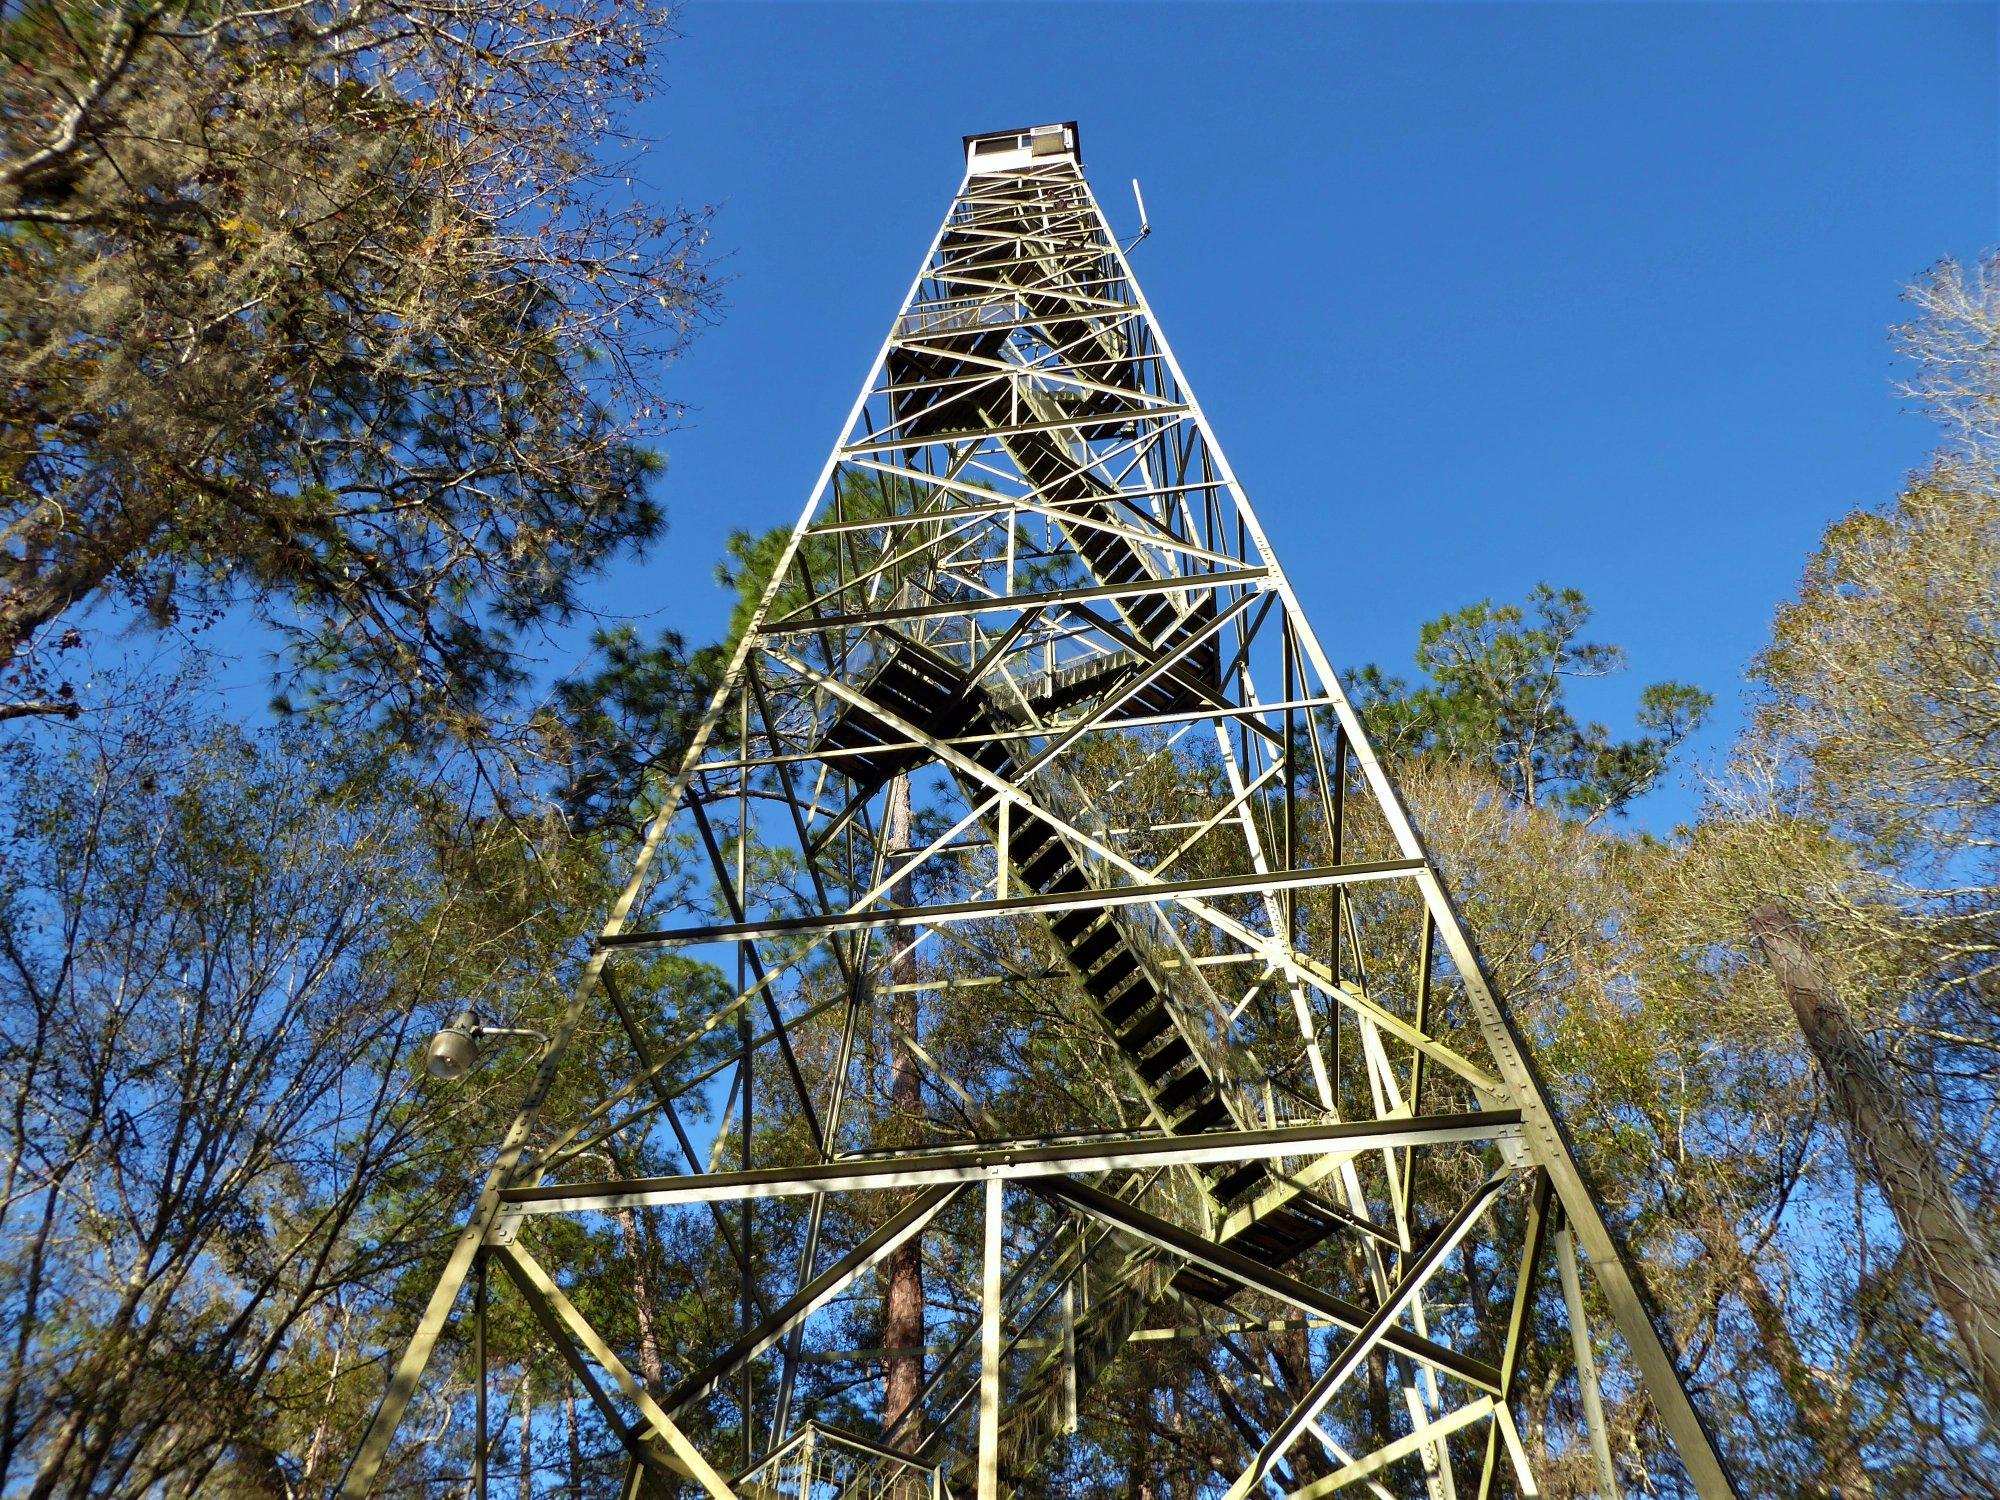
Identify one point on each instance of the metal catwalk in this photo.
(1081, 960)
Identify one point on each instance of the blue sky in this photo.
(1475, 296)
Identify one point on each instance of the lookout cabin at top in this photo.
(1011, 150)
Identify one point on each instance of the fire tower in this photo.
(1079, 966)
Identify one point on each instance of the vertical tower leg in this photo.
(989, 1347)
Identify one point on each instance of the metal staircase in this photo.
(1126, 994)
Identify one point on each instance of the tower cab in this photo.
(1014, 150)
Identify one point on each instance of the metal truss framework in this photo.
(1152, 844)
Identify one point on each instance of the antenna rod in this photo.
(1145, 224)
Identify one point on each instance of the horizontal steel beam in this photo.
(832, 756)
(972, 911)
(1013, 1161)
(798, 622)
(1020, 429)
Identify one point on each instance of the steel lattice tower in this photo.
(1030, 736)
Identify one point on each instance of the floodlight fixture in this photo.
(454, 1051)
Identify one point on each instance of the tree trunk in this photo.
(645, 1305)
(574, 1489)
(1889, 1148)
(1380, 1423)
(903, 1319)
(53, 572)
(1291, 1353)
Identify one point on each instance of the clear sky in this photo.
(1475, 296)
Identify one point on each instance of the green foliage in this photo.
(228, 1186)
(1888, 658)
(209, 997)
(822, 561)
(825, 561)
(749, 561)
(331, 322)
(628, 724)
(1495, 694)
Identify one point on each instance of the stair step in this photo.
(1238, 1180)
(994, 755)
(1150, 1023)
(1117, 1012)
(913, 686)
(1115, 566)
(1177, 1095)
(1210, 1114)
(1280, 1237)
(863, 767)
(931, 711)
(858, 732)
(1103, 981)
(1027, 836)
(1071, 925)
(1205, 1285)
(1094, 945)
(1068, 879)
(932, 364)
(919, 667)
(1150, 613)
(1276, 1233)
(1155, 1066)
(1042, 869)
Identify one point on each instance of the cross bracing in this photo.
(1030, 776)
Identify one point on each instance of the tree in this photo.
(1958, 1267)
(1680, 1120)
(225, 1180)
(1495, 695)
(625, 726)
(330, 312)
(1622, 956)
(211, 990)
(1826, 925)
(746, 570)
(1856, 837)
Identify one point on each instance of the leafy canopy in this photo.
(1495, 694)
(329, 313)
